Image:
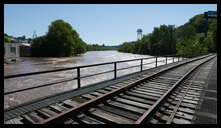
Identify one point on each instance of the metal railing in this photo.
(78, 68)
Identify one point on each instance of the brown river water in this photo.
(32, 64)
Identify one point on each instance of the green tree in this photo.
(190, 48)
(39, 47)
(61, 40)
(189, 43)
(127, 47)
(144, 45)
(186, 32)
(211, 39)
(200, 23)
(163, 40)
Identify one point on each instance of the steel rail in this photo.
(180, 100)
(148, 114)
(177, 106)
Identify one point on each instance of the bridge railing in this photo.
(78, 69)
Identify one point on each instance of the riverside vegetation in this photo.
(197, 36)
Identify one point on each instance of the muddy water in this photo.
(32, 64)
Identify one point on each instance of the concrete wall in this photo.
(11, 50)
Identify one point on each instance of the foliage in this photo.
(7, 39)
(161, 41)
(211, 39)
(96, 47)
(186, 32)
(190, 47)
(61, 40)
(200, 32)
(200, 23)
(38, 46)
(198, 36)
(21, 38)
(127, 47)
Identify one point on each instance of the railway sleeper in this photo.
(155, 87)
(89, 96)
(137, 99)
(126, 107)
(178, 114)
(189, 105)
(169, 80)
(17, 120)
(83, 118)
(150, 91)
(111, 117)
(182, 109)
(160, 88)
(120, 112)
(132, 103)
(147, 97)
(186, 97)
(146, 93)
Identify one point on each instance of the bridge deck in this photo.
(207, 112)
(204, 115)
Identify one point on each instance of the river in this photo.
(32, 64)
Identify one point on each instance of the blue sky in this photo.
(110, 24)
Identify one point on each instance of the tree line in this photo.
(97, 47)
(195, 37)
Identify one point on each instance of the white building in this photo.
(16, 49)
(11, 49)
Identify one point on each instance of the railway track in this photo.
(167, 96)
(180, 106)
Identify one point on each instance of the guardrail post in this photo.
(156, 62)
(115, 70)
(141, 65)
(178, 58)
(78, 77)
(166, 59)
(173, 59)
